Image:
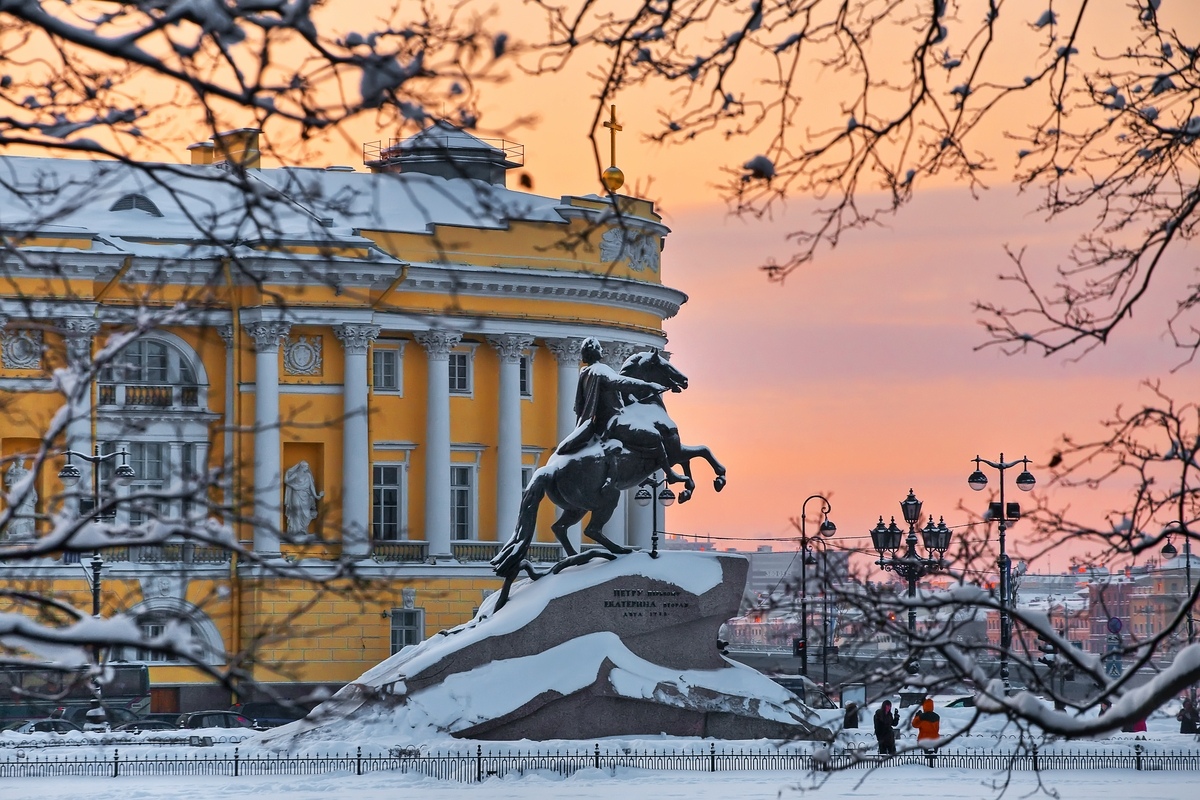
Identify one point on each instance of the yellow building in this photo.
(411, 332)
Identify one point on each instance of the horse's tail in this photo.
(507, 562)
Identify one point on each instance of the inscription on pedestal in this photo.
(647, 602)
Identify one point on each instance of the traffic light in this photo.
(1049, 651)
(799, 648)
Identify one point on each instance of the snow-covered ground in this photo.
(991, 734)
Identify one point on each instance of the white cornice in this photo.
(297, 388)
(145, 414)
(551, 285)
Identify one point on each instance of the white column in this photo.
(77, 334)
(566, 352)
(226, 332)
(437, 346)
(356, 440)
(508, 444)
(267, 456)
(616, 528)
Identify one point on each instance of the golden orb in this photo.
(613, 178)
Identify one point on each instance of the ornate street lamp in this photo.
(911, 566)
(644, 495)
(70, 476)
(1004, 513)
(810, 560)
(826, 529)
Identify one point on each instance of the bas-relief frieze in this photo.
(640, 249)
(303, 355)
(21, 349)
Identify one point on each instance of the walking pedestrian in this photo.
(886, 721)
(1188, 716)
(928, 725)
(851, 719)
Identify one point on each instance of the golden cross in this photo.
(613, 128)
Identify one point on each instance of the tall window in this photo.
(462, 512)
(151, 468)
(388, 490)
(408, 627)
(152, 629)
(526, 379)
(460, 373)
(385, 370)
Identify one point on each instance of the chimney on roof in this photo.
(202, 152)
(238, 147)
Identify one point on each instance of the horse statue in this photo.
(640, 439)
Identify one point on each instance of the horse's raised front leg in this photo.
(665, 462)
(688, 452)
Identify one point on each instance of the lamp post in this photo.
(70, 476)
(1003, 512)
(644, 495)
(1169, 551)
(810, 560)
(911, 566)
(826, 530)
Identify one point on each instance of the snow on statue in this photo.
(623, 435)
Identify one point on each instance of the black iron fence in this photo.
(470, 766)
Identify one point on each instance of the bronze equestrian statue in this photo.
(624, 435)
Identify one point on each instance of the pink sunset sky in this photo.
(858, 377)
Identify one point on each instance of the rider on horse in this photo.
(599, 396)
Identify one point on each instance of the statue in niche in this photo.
(21, 524)
(300, 498)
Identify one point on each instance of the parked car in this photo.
(213, 719)
(137, 726)
(271, 715)
(48, 725)
(169, 717)
(962, 702)
(808, 692)
(78, 715)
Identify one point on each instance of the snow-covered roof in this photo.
(205, 203)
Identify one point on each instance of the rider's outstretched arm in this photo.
(639, 388)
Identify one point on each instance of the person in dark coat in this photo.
(851, 720)
(886, 721)
(1189, 717)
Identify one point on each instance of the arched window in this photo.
(157, 616)
(139, 202)
(150, 372)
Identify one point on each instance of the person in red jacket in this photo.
(928, 725)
